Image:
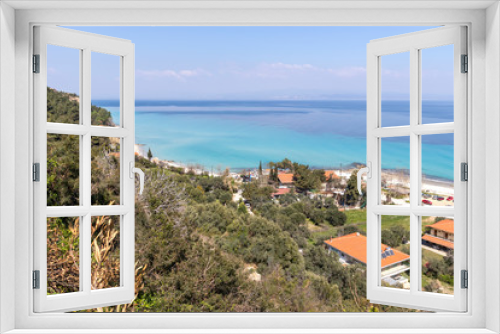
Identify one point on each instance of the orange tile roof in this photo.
(282, 191)
(285, 178)
(439, 241)
(446, 225)
(354, 245)
(331, 173)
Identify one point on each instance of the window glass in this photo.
(437, 254)
(106, 89)
(105, 252)
(63, 170)
(63, 78)
(395, 89)
(395, 252)
(395, 177)
(63, 255)
(105, 171)
(438, 170)
(437, 84)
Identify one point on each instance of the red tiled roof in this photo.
(285, 178)
(439, 241)
(282, 191)
(354, 245)
(446, 225)
(331, 173)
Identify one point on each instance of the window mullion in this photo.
(86, 176)
(414, 169)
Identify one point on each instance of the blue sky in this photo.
(186, 63)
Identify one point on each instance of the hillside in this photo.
(196, 249)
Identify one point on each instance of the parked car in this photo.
(426, 202)
(426, 195)
(440, 198)
(450, 198)
(434, 197)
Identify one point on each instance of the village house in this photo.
(330, 175)
(140, 150)
(440, 235)
(286, 180)
(280, 192)
(351, 249)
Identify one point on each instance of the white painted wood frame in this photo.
(413, 43)
(86, 43)
(483, 20)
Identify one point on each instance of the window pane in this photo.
(105, 171)
(395, 248)
(63, 75)
(437, 84)
(395, 89)
(63, 255)
(437, 170)
(395, 162)
(63, 170)
(105, 252)
(105, 89)
(437, 254)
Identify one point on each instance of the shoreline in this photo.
(393, 177)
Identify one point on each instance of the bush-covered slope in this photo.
(196, 249)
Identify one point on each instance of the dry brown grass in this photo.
(63, 271)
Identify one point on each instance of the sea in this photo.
(322, 134)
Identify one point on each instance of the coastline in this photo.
(393, 178)
(239, 139)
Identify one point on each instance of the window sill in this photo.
(252, 331)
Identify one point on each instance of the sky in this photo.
(252, 63)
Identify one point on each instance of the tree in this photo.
(242, 209)
(351, 194)
(334, 217)
(225, 197)
(306, 178)
(317, 216)
(395, 236)
(150, 155)
(260, 169)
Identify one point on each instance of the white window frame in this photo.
(484, 50)
(86, 44)
(413, 44)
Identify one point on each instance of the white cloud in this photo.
(283, 70)
(194, 73)
(292, 66)
(180, 75)
(347, 72)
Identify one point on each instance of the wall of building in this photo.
(7, 171)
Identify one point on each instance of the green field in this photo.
(357, 218)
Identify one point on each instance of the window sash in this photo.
(413, 43)
(86, 298)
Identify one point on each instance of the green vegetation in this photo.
(304, 178)
(195, 245)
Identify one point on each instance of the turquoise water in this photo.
(239, 134)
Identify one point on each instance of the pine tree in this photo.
(150, 155)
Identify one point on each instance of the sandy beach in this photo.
(397, 181)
